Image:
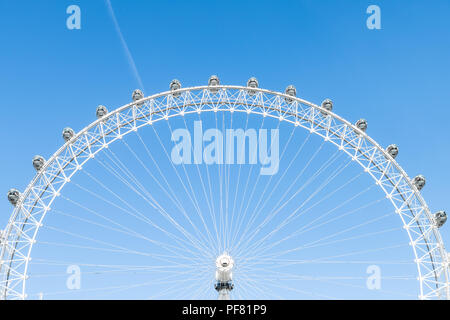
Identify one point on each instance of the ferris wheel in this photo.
(150, 201)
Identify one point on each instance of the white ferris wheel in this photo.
(339, 218)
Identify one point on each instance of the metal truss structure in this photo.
(33, 204)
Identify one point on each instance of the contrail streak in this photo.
(125, 46)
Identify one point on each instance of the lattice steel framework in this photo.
(28, 215)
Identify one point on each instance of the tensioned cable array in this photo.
(32, 206)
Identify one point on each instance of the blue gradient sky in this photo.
(397, 78)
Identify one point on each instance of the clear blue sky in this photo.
(397, 78)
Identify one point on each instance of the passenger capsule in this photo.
(419, 182)
(175, 85)
(290, 91)
(38, 162)
(13, 196)
(137, 95)
(361, 124)
(327, 104)
(252, 83)
(213, 82)
(101, 111)
(392, 150)
(440, 217)
(67, 134)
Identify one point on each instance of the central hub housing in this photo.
(224, 266)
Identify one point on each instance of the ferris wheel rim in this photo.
(222, 88)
